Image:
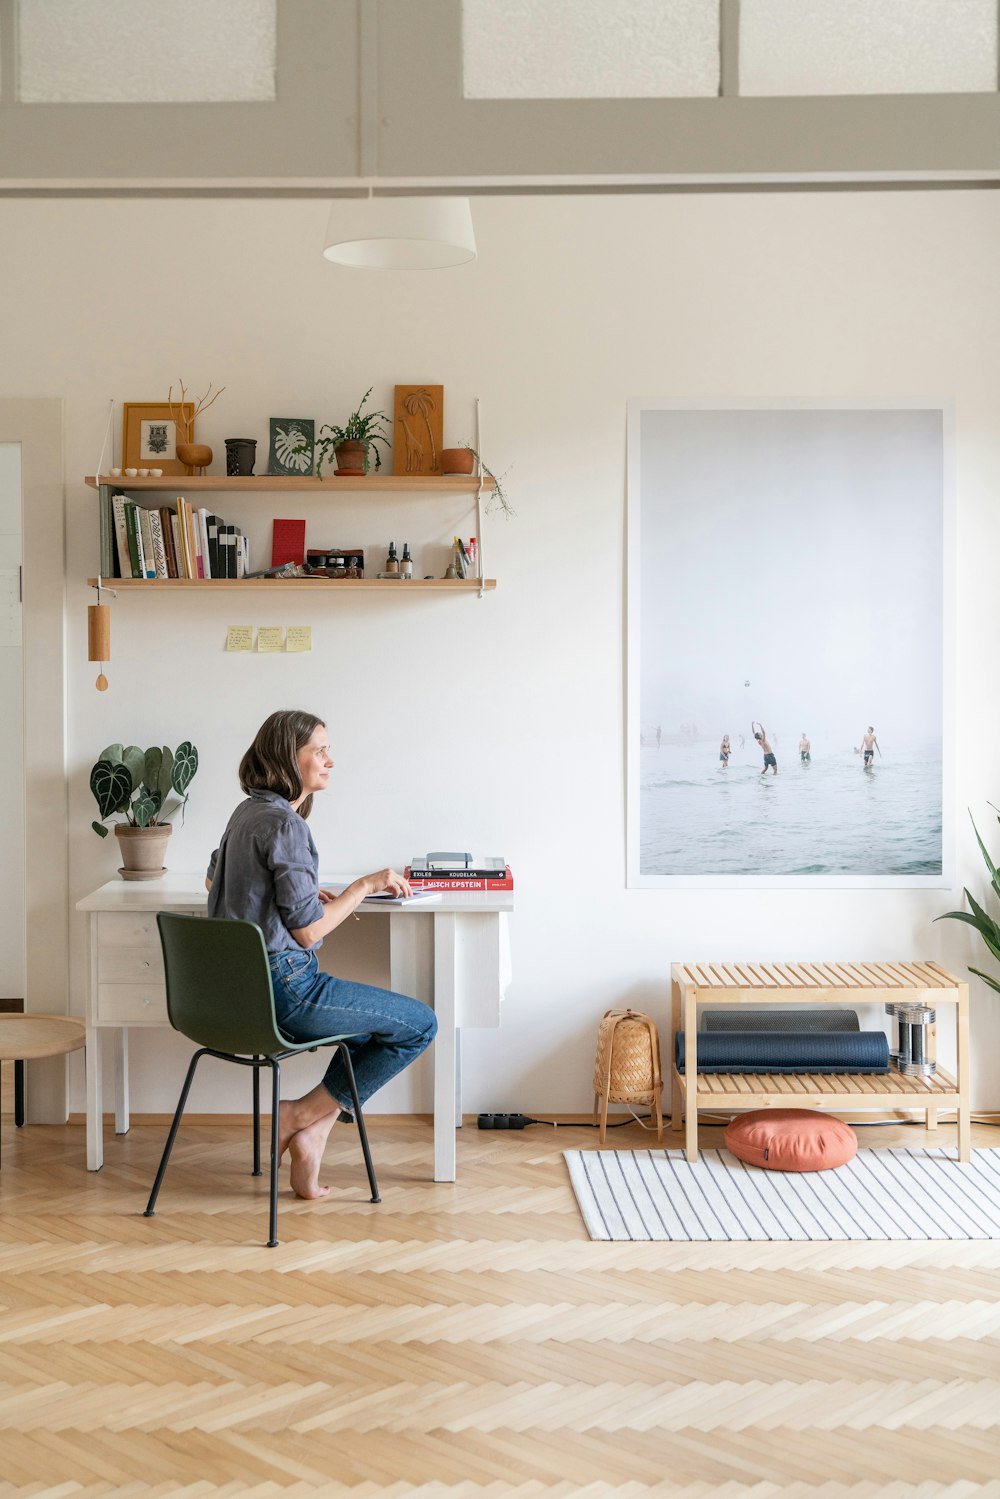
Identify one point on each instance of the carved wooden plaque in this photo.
(418, 426)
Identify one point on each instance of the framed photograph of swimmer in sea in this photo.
(790, 645)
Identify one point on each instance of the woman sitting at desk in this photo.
(266, 870)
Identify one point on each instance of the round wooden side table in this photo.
(24, 1038)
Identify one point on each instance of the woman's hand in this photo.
(388, 882)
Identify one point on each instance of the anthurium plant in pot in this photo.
(353, 443)
(135, 784)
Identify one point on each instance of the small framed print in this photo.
(150, 436)
(292, 452)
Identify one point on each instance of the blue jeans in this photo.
(388, 1031)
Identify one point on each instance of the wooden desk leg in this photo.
(95, 1101)
(691, 1074)
(445, 984)
(121, 1080)
(963, 1061)
(675, 1084)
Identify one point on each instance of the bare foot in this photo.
(306, 1147)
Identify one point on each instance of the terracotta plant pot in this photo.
(457, 461)
(143, 850)
(351, 457)
(196, 455)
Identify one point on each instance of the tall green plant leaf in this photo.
(113, 753)
(135, 759)
(980, 919)
(166, 771)
(185, 767)
(987, 927)
(111, 785)
(993, 983)
(152, 765)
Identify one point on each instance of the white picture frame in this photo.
(792, 559)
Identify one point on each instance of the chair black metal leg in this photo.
(359, 1116)
(19, 1093)
(272, 1222)
(151, 1204)
(256, 1120)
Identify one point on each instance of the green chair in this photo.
(219, 995)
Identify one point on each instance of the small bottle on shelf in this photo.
(392, 561)
(406, 565)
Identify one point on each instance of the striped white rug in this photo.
(881, 1194)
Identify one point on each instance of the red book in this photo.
(288, 542)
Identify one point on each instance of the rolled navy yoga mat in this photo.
(788, 1018)
(788, 1051)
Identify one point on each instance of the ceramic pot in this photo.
(196, 455)
(351, 458)
(143, 850)
(241, 455)
(457, 461)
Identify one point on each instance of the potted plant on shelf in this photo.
(136, 783)
(351, 443)
(463, 460)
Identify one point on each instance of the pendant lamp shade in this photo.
(400, 233)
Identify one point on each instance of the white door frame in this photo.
(37, 425)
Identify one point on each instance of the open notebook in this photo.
(338, 886)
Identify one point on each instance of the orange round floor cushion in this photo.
(791, 1140)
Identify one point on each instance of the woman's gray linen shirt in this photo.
(266, 870)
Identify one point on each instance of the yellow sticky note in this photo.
(299, 638)
(239, 638)
(268, 638)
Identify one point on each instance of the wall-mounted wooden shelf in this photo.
(290, 585)
(274, 483)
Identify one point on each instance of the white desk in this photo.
(451, 952)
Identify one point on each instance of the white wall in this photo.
(497, 724)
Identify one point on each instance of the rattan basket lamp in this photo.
(627, 1066)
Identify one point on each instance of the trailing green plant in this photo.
(498, 499)
(136, 783)
(361, 426)
(983, 922)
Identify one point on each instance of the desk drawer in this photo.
(131, 928)
(129, 965)
(131, 1004)
(127, 929)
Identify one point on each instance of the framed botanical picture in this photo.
(418, 427)
(150, 436)
(791, 645)
(293, 440)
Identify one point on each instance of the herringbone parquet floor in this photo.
(464, 1339)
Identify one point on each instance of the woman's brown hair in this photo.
(271, 764)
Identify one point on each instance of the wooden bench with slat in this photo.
(770, 983)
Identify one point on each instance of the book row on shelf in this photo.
(180, 542)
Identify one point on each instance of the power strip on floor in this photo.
(503, 1121)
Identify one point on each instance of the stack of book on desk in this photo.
(458, 872)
